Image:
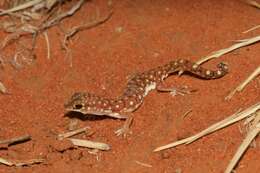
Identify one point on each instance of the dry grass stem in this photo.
(16, 140)
(240, 87)
(85, 26)
(79, 28)
(28, 29)
(89, 144)
(143, 164)
(45, 33)
(72, 133)
(15, 62)
(257, 5)
(35, 17)
(186, 113)
(60, 17)
(219, 125)
(253, 3)
(21, 7)
(2, 88)
(22, 31)
(21, 163)
(251, 29)
(5, 162)
(221, 52)
(255, 130)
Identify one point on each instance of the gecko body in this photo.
(136, 89)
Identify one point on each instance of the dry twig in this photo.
(251, 29)
(56, 20)
(21, 7)
(254, 131)
(22, 31)
(186, 113)
(45, 33)
(26, 27)
(85, 26)
(16, 140)
(72, 133)
(257, 5)
(221, 52)
(89, 144)
(253, 3)
(143, 164)
(240, 87)
(2, 88)
(219, 125)
(21, 163)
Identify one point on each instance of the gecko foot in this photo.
(123, 131)
(176, 91)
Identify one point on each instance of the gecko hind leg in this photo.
(125, 129)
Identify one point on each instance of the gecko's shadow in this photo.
(86, 117)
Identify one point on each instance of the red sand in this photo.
(139, 36)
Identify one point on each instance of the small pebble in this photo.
(119, 29)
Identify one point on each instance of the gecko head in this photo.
(90, 104)
(77, 103)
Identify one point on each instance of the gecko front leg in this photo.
(174, 90)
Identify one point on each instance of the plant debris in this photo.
(15, 140)
(72, 133)
(241, 86)
(89, 144)
(35, 17)
(253, 3)
(2, 88)
(241, 43)
(20, 163)
(217, 126)
(25, 18)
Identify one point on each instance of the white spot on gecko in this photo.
(149, 87)
(208, 72)
(219, 72)
(131, 103)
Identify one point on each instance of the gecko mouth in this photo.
(97, 113)
(72, 110)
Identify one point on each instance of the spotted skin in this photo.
(137, 88)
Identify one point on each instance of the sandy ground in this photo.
(140, 35)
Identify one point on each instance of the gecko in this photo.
(137, 88)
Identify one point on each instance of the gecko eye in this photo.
(78, 106)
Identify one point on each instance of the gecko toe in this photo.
(123, 132)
